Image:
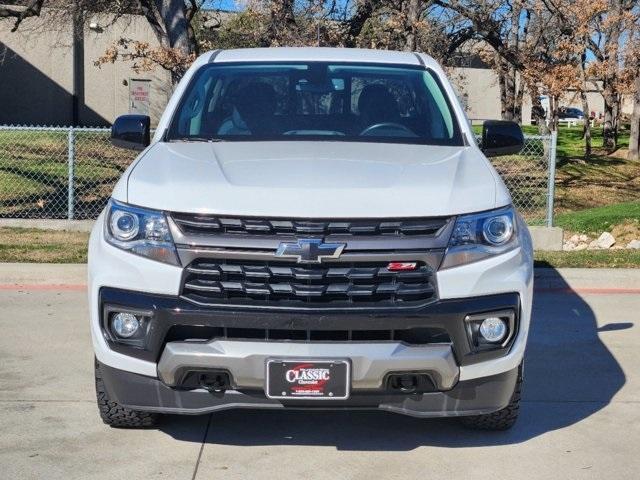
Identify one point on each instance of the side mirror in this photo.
(500, 137)
(131, 131)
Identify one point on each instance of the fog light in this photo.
(125, 324)
(493, 329)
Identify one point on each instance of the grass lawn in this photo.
(602, 180)
(42, 246)
(599, 219)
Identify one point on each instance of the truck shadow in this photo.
(569, 375)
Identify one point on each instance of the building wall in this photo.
(36, 68)
(478, 92)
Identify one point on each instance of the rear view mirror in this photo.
(131, 131)
(501, 137)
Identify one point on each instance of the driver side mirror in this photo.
(500, 137)
(132, 132)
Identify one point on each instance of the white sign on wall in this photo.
(139, 93)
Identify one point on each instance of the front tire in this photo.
(114, 414)
(501, 420)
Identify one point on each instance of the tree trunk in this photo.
(586, 133)
(609, 133)
(411, 27)
(514, 84)
(610, 77)
(634, 139)
(538, 113)
(554, 114)
(175, 24)
(509, 108)
(167, 19)
(517, 107)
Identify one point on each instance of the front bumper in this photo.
(470, 397)
(244, 360)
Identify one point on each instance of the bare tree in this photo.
(502, 25)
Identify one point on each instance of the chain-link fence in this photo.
(57, 172)
(61, 172)
(530, 177)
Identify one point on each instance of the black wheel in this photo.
(502, 419)
(114, 414)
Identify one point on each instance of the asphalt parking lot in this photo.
(580, 417)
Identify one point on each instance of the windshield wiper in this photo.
(196, 139)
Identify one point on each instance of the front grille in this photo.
(410, 336)
(195, 224)
(286, 284)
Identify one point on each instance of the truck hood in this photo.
(312, 179)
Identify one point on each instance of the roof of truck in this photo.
(319, 54)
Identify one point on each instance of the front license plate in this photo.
(308, 379)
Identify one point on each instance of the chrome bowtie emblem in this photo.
(310, 251)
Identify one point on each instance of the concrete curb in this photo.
(45, 224)
(546, 238)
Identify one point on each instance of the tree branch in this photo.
(456, 39)
(154, 18)
(355, 24)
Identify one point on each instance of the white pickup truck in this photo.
(311, 228)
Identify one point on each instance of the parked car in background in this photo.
(311, 228)
(570, 113)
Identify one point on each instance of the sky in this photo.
(221, 4)
(233, 5)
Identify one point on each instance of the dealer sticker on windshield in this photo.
(308, 379)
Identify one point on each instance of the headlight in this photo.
(140, 231)
(481, 235)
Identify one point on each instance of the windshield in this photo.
(315, 101)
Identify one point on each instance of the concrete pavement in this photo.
(580, 417)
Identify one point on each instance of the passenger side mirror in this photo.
(501, 137)
(131, 131)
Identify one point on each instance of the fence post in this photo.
(71, 150)
(551, 185)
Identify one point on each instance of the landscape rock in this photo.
(575, 239)
(581, 246)
(568, 246)
(626, 231)
(606, 240)
(634, 244)
(583, 238)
